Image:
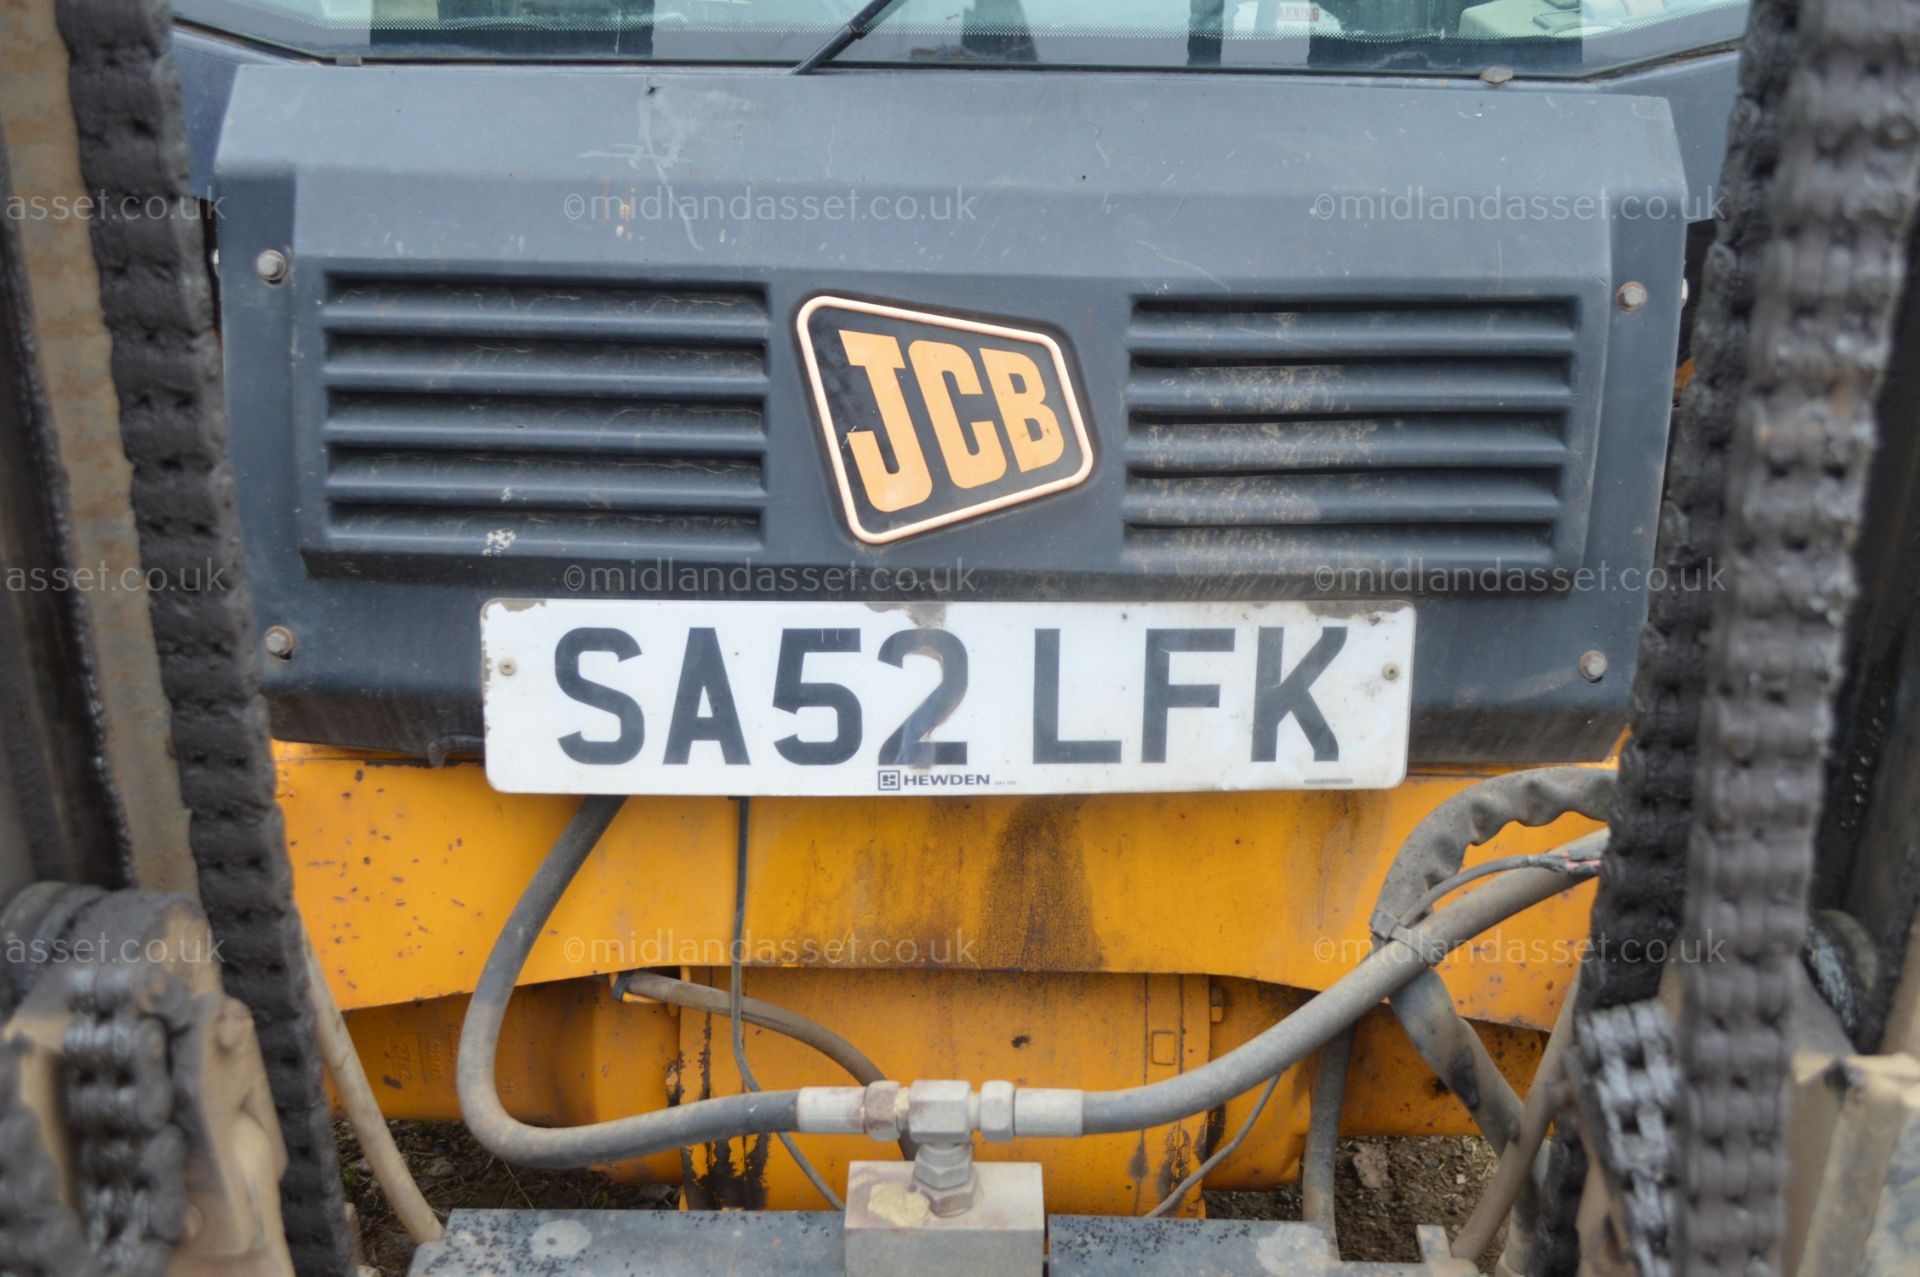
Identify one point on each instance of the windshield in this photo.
(1553, 37)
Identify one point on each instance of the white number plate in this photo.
(634, 697)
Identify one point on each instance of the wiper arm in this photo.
(857, 26)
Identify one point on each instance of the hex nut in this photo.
(943, 1165)
(996, 1111)
(940, 1111)
(1632, 295)
(948, 1202)
(943, 1174)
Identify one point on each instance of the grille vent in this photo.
(474, 419)
(1263, 436)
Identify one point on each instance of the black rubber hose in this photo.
(1431, 856)
(1435, 849)
(511, 1140)
(1315, 1024)
(770, 1112)
(712, 1001)
(1458, 1056)
(1520, 1163)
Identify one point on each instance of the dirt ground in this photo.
(1385, 1188)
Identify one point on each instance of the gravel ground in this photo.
(1385, 1188)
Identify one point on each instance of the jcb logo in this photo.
(930, 419)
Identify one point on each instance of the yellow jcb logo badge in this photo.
(930, 419)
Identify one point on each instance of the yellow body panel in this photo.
(1096, 942)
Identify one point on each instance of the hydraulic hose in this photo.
(700, 997)
(1458, 1057)
(1388, 968)
(1427, 867)
(350, 1083)
(1438, 844)
(1411, 951)
(721, 1118)
(1516, 1166)
(1443, 1038)
(1323, 1137)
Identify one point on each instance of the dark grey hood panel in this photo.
(538, 338)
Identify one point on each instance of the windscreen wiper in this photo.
(857, 26)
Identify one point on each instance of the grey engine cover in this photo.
(1331, 339)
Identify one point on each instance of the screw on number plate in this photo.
(272, 265)
(1391, 673)
(1593, 666)
(278, 642)
(509, 667)
(1632, 295)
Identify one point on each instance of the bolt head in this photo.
(1632, 295)
(272, 265)
(1593, 666)
(278, 641)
